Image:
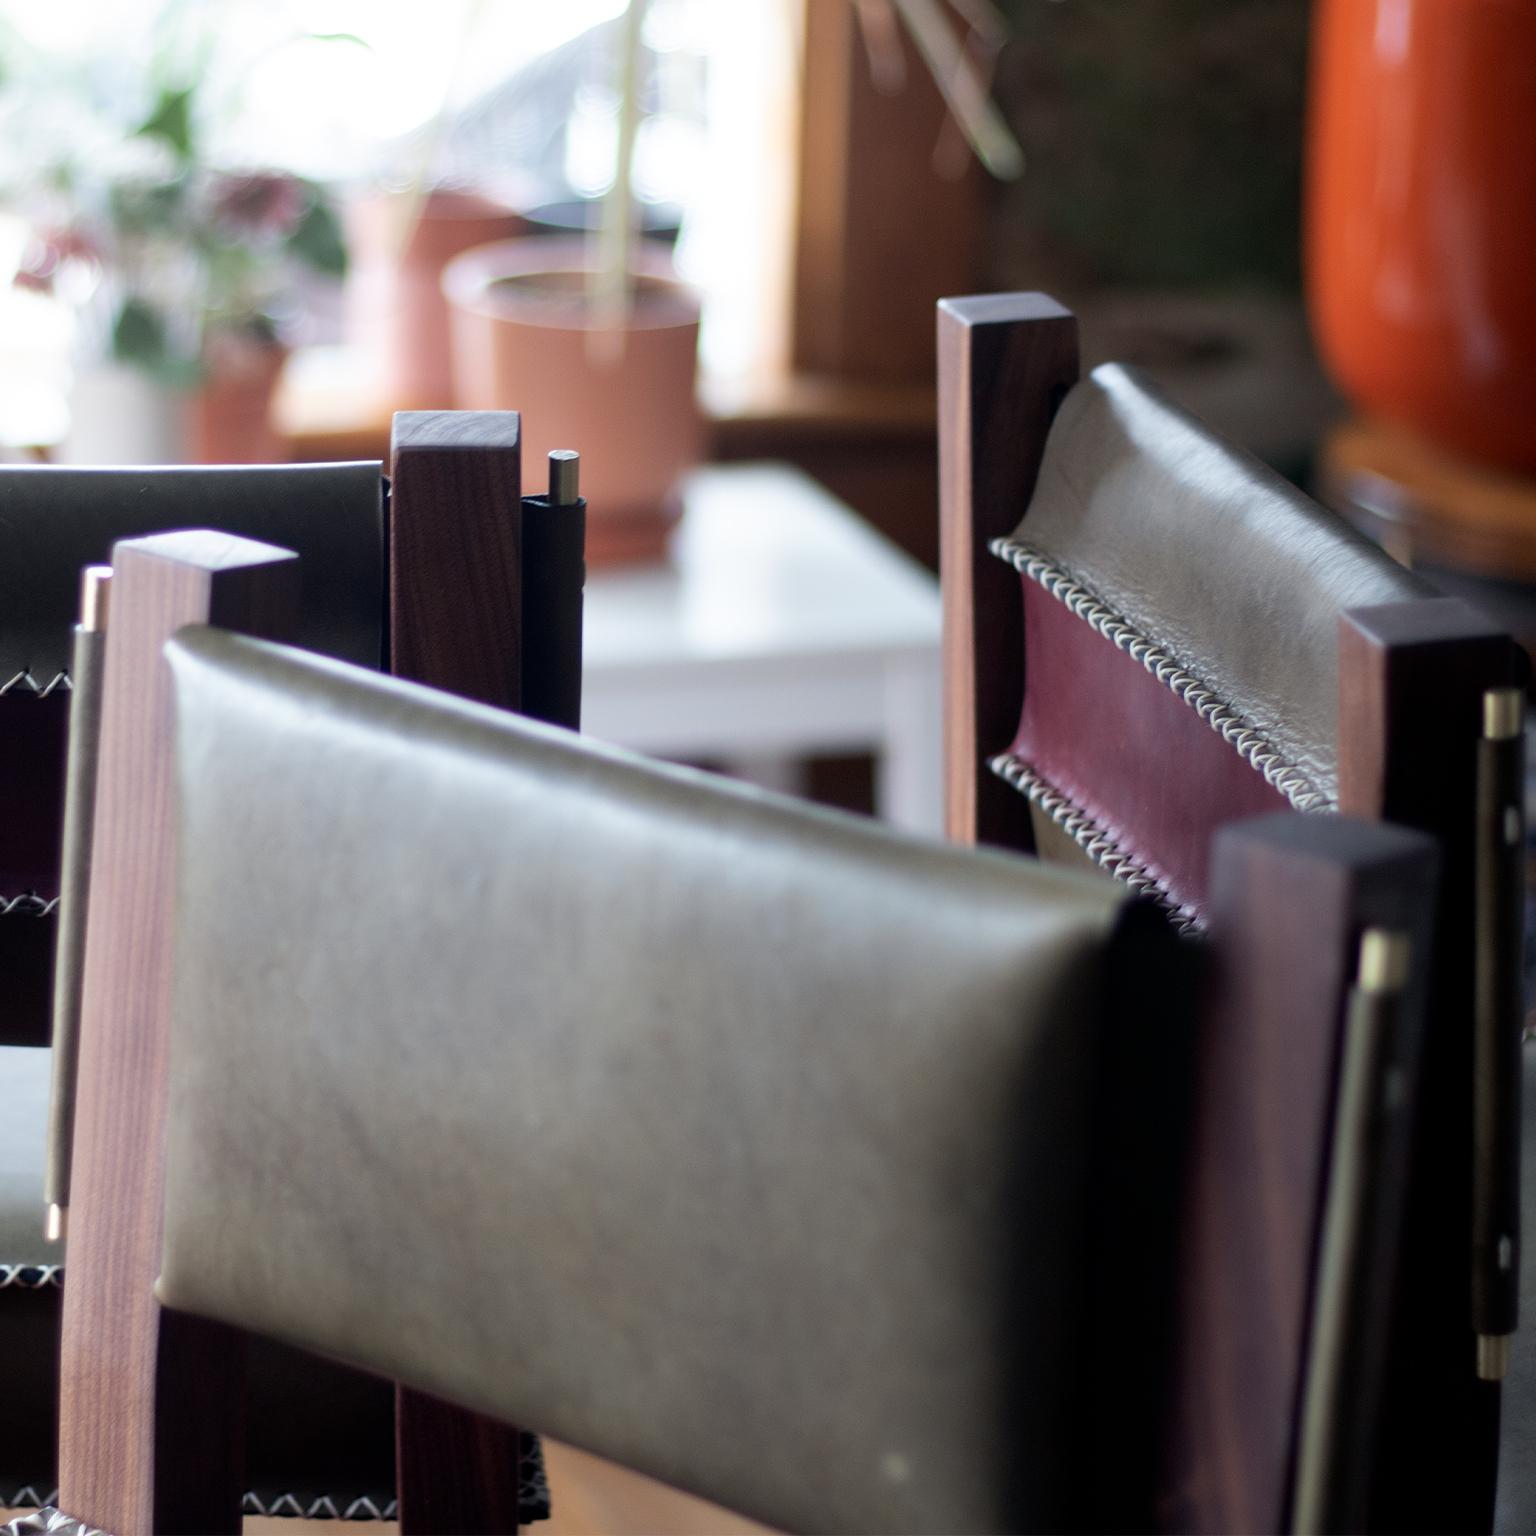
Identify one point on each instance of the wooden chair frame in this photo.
(1289, 1428)
(145, 1392)
(1413, 682)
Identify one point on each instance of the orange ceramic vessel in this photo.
(1421, 218)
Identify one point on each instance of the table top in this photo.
(766, 564)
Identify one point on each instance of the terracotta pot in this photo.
(526, 339)
(1422, 215)
(229, 418)
(395, 305)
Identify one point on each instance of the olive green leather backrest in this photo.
(1208, 555)
(745, 1143)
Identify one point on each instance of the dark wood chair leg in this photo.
(458, 1472)
(150, 1422)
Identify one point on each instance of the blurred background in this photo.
(249, 231)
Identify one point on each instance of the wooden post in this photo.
(455, 553)
(1291, 897)
(149, 1439)
(1005, 362)
(456, 623)
(1412, 678)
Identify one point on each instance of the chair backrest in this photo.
(459, 543)
(823, 1172)
(1149, 633)
(418, 573)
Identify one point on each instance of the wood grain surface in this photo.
(456, 623)
(1005, 361)
(146, 1398)
(455, 553)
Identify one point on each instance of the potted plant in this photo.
(597, 340)
(182, 273)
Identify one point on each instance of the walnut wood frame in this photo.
(1412, 677)
(144, 1392)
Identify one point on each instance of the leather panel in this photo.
(741, 1142)
(54, 521)
(1122, 747)
(1210, 554)
(33, 732)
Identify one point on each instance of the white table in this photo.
(783, 627)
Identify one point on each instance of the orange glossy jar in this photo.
(1421, 216)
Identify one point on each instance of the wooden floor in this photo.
(590, 1497)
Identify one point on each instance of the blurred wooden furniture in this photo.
(1147, 634)
(781, 627)
(1471, 527)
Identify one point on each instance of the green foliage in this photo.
(164, 248)
(170, 121)
(317, 239)
(139, 338)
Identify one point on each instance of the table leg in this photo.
(786, 775)
(909, 789)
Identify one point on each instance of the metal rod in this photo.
(554, 574)
(86, 673)
(1496, 1028)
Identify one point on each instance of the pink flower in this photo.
(46, 252)
(258, 203)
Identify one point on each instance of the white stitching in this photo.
(31, 1277)
(24, 682)
(1250, 742)
(1092, 838)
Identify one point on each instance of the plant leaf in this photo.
(139, 339)
(171, 120)
(138, 335)
(317, 239)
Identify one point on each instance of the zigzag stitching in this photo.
(24, 682)
(31, 1277)
(1251, 743)
(1093, 839)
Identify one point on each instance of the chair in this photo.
(1147, 634)
(421, 571)
(803, 1165)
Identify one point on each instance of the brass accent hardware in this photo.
(95, 597)
(564, 477)
(1383, 960)
(1492, 1356)
(1503, 713)
(1351, 1255)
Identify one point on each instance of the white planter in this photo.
(119, 416)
